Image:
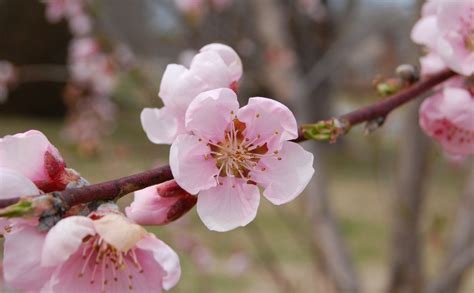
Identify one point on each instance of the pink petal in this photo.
(22, 258)
(431, 64)
(191, 164)
(74, 276)
(212, 70)
(211, 112)
(179, 86)
(14, 184)
(230, 57)
(64, 239)
(285, 179)
(228, 206)
(165, 257)
(268, 118)
(425, 32)
(32, 155)
(150, 208)
(162, 125)
(458, 104)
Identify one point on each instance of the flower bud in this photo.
(160, 204)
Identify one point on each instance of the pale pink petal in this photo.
(455, 54)
(64, 239)
(32, 155)
(162, 125)
(179, 86)
(268, 119)
(211, 112)
(191, 164)
(119, 231)
(165, 257)
(228, 206)
(172, 73)
(425, 32)
(150, 208)
(456, 24)
(73, 276)
(447, 117)
(452, 13)
(14, 184)
(212, 70)
(431, 64)
(230, 57)
(430, 7)
(458, 105)
(22, 258)
(285, 179)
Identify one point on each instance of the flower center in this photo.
(236, 155)
(105, 260)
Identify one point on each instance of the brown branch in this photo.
(117, 188)
(108, 190)
(382, 108)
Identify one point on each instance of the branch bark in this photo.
(119, 187)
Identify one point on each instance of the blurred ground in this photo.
(361, 184)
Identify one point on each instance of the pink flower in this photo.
(160, 204)
(228, 153)
(59, 9)
(80, 24)
(189, 6)
(448, 117)
(28, 163)
(33, 156)
(108, 253)
(447, 30)
(90, 67)
(216, 66)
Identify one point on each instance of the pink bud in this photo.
(160, 204)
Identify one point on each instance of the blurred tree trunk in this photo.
(406, 272)
(284, 74)
(460, 257)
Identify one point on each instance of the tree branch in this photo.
(331, 129)
(117, 188)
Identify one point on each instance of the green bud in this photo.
(22, 208)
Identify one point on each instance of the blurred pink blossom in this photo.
(8, 77)
(446, 29)
(228, 152)
(448, 117)
(215, 66)
(90, 67)
(56, 10)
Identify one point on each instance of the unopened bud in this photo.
(328, 130)
(160, 204)
(408, 73)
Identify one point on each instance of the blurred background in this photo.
(385, 213)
